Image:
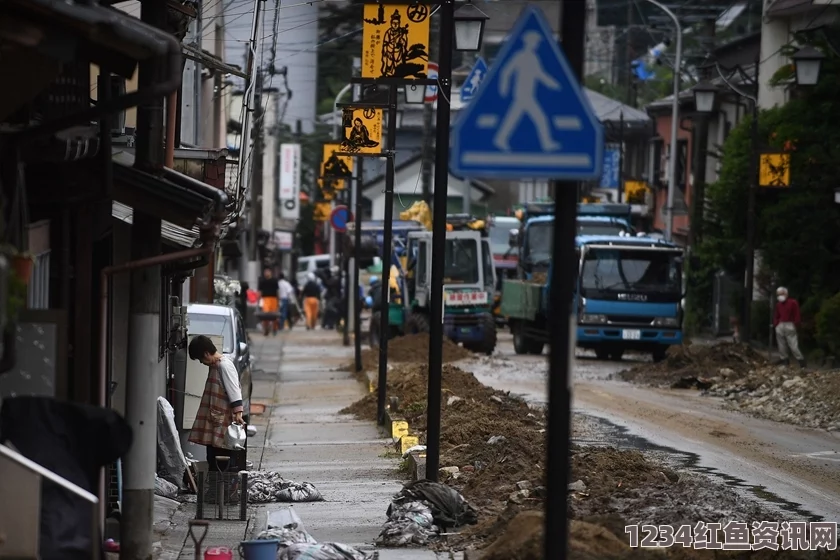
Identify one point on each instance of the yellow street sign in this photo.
(362, 131)
(774, 170)
(395, 41)
(333, 165)
(321, 212)
(635, 191)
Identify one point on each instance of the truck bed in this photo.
(521, 299)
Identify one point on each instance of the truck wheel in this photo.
(616, 355)
(602, 354)
(659, 355)
(488, 325)
(520, 341)
(374, 330)
(536, 347)
(417, 323)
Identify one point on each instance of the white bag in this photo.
(235, 437)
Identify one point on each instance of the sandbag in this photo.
(321, 551)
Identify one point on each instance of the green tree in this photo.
(798, 228)
(340, 40)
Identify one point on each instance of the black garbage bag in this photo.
(74, 441)
(449, 508)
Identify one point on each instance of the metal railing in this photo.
(20, 484)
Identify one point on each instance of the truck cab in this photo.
(533, 241)
(469, 284)
(628, 296)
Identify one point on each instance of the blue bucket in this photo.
(259, 549)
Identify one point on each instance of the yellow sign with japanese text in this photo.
(635, 192)
(774, 170)
(395, 41)
(333, 166)
(322, 211)
(362, 131)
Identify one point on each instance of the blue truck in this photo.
(628, 297)
(532, 241)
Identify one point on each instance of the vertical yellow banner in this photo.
(395, 41)
(362, 131)
(774, 170)
(334, 165)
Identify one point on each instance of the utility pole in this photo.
(700, 143)
(246, 270)
(620, 157)
(145, 369)
(257, 177)
(427, 152)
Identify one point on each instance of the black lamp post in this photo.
(467, 27)
(807, 62)
(705, 96)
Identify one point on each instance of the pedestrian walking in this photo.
(286, 293)
(269, 291)
(311, 300)
(221, 406)
(785, 321)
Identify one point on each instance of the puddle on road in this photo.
(610, 434)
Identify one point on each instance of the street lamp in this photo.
(705, 94)
(469, 27)
(467, 36)
(807, 62)
(675, 112)
(415, 95)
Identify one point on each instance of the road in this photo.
(797, 469)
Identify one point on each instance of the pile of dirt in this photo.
(612, 488)
(410, 348)
(692, 365)
(409, 383)
(784, 394)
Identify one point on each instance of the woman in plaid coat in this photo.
(221, 403)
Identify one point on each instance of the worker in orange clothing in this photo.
(311, 300)
(269, 291)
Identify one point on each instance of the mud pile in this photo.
(784, 394)
(410, 348)
(409, 384)
(693, 365)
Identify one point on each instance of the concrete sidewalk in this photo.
(302, 436)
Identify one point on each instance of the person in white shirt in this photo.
(286, 293)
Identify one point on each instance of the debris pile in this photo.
(410, 348)
(421, 510)
(409, 384)
(693, 365)
(810, 399)
(295, 543)
(267, 486)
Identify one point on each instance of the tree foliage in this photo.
(340, 40)
(797, 229)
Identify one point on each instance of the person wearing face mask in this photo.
(785, 320)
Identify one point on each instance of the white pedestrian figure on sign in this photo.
(475, 80)
(525, 69)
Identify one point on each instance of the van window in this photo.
(303, 266)
(322, 263)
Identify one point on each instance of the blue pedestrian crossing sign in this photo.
(530, 119)
(470, 86)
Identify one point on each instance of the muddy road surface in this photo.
(796, 469)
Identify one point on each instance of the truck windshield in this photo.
(601, 228)
(462, 261)
(538, 244)
(500, 236)
(632, 270)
